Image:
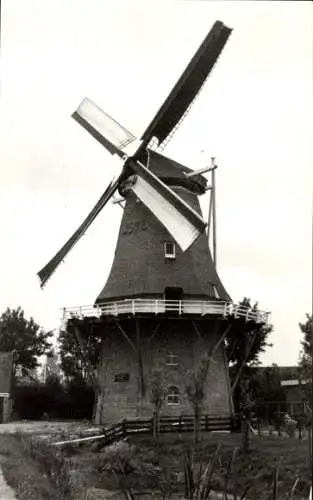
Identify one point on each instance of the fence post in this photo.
(206, 423)
(124, 428)
(236, 311)
(279, 428)
(154, 425)
(247, 314)
(300, 430)
(180, 423)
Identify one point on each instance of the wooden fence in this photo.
(180, 424)
(166, 424)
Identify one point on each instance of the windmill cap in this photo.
(173, 173)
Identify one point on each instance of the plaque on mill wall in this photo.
(6, 364)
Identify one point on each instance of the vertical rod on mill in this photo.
(213, 208)
(210, 216)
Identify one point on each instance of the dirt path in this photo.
(6, 492)
(49, 429)
(40, 426)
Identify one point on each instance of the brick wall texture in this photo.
(187, 340)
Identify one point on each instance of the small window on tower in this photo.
(171, 359)
(169, 250)
(173, 395)
(121, 377)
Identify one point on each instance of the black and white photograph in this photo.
(156, 250)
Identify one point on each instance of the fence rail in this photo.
(162, 306)
(180, 424)
(166, 424)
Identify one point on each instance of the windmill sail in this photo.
(46, 272)
(111, 134)
(181, 221)
(188, 86)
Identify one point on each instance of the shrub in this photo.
(51, 462)
(53, 401)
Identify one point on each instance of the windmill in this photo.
(163, 303)
(184, 223)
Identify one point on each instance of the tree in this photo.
(25, 337)
(195, 387)
(265, 386)
(157, 396)
(305, 365)
(245, 342)
(195, 391)
(76, 364)
(51, 366)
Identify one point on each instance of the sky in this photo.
(254, 115)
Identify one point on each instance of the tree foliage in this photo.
(246, 341)
(243, 331)
(305, 365)
(25, 337)
(265, 385)
(73, 363)
(306, 354)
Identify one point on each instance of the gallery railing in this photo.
(162, 306)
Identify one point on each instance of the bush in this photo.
(80, 401)
(135, 469)
(53, 401)
(51, 462)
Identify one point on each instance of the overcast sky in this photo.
(254, 115)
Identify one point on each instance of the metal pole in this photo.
(214, 212)
(210, 216)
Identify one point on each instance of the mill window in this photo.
(171, 359)
(216, 292)
(169, 250)
(121, 377)
(173, 395)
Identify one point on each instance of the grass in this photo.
(257, 469)
(33, 469)
(36, 471)
(273, 461)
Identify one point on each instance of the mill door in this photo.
(173, 299)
